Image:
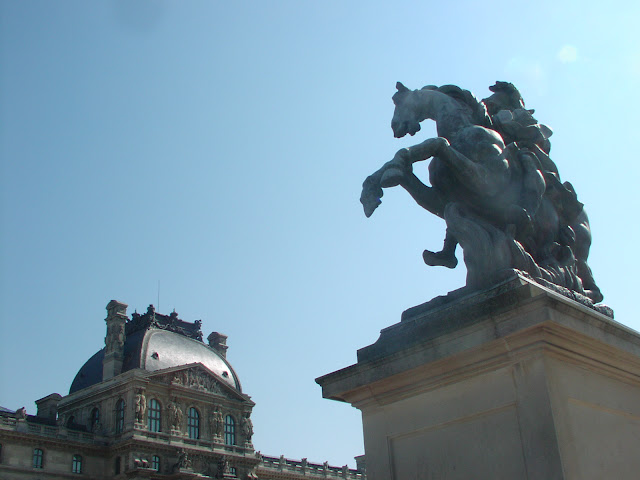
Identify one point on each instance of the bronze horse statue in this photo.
(504, 204)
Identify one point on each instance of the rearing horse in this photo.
(470, 162)
(478, 182)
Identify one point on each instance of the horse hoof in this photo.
(439, 259)
(391, 178)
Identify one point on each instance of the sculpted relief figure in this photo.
(493, 182)
(115, 337)
(183, 460)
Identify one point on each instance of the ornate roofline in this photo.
(169, 322)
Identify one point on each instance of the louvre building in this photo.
(155, 403)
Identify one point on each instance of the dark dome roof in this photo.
(156, 342)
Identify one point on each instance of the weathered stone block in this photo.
(513, 382)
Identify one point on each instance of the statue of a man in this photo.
(247, 427)
(175, 413)
(217, 423)
(140, 406)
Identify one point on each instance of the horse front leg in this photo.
(399, 171)
(402, 162)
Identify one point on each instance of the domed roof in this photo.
(157, 342)
(162, 349)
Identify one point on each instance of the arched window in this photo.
(229, 430)
(71, 422)
(38, 458)
(155, 463)
(193, 423)
(120, 416)
(94, 418)
(76, 464)
(154, 416)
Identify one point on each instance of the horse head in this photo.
(406, 118)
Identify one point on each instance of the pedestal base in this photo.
(516, 382)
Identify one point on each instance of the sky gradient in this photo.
(208, 157)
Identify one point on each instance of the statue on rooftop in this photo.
(494, 184)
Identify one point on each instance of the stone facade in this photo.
(155, 403)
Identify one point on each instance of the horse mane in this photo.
(478, 109)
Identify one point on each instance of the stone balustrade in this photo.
(309, 469)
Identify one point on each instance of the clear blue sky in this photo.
(217, 149)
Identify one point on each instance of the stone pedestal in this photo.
(516, 382)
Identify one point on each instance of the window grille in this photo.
(95, 418)
(229, 430)
(120, 416)
(193, 423)
(155, 415)
(38, 458)
(76, 464)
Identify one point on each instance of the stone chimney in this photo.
(218, 342)
(48, 406)
(114, 341)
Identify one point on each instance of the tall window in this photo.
(229, 430)
(95, 418)
(155, 413)
(76, 464)
(38, 458)
(120, 416)
(117, 465)
(193, 423)
(155, 463)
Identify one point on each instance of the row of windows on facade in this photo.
(76, 461)
(154, 421)
(38, 461)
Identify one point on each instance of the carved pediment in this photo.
(196, 377)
